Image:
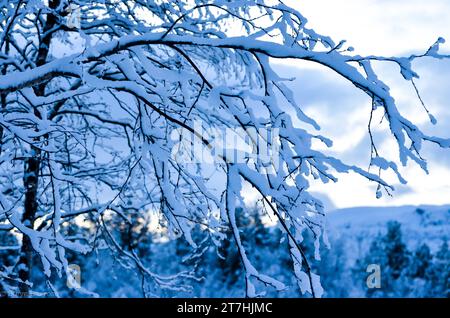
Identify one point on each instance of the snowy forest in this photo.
(152, 148)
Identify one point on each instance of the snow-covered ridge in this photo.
(420, 224)
(364, 215)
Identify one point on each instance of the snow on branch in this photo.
(94, 116)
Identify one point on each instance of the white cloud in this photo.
(379, 27)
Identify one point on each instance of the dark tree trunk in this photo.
(30, 181)
(32, 164)
(3, 95)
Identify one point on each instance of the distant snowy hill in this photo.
(359, 226)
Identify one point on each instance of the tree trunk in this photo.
(30, 181)
(3, 95)
(32, 164)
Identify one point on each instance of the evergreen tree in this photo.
(229, 259)
(439, 274)
(391, 254)
(332, 270)
(420, 262)
(395, 249)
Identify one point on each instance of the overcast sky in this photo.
(379, 27)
